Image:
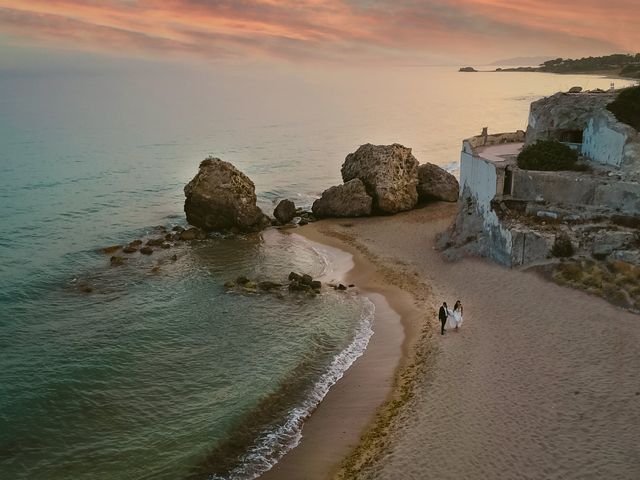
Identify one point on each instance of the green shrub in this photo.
(562, 246)
(626, 107)
(548, 155)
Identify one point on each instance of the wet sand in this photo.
(541, 381)
(335, 427)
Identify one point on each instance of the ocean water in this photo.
(158, 372)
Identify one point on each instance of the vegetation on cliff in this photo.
(626, 65)
(616, 281)
(626, 107)
(590, 64)
(548, 155)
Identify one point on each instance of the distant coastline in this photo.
(616, 66)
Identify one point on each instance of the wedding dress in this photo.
(452, 321)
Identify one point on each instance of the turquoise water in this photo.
(159, 373)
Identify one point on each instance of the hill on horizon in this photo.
(522, 61)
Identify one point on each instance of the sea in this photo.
(152, 369)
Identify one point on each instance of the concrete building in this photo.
(513, 216)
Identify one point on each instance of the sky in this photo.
(329, 32)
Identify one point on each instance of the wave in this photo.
(275, 442)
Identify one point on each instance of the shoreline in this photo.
(540, 381)
(377, 379)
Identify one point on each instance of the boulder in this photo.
(111, 249)
(190, 234)
(285, 211)
(575, 89)
(348, 200)
(268, 285)
(295, 277)
(146, 250)
(389, 174)
(221, 197)
(116, 260)
(435, 183)
(129, 249)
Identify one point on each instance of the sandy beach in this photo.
(540, 382)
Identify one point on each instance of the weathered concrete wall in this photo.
(478, 179)
(574, 188)
(601, 143)
(554, 187)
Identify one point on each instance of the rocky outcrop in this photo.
(285, 211)
(220, 197)
(563, 117)
(435, 183)
(348, 200)
(389, 174)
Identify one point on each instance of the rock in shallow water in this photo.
(220, 197)
(285, 211)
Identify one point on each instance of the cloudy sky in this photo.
(319, 31)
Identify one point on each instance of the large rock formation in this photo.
(348, 200)
(435, 183)
(220, 197)
(563, 117)
(389, 174)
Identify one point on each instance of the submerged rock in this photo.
(117, 261)
(146, 250)
(221, 197)
(285, 211)
(111, 249)
(389, 174)
(348, 200)
(268, 285)
(435, 183)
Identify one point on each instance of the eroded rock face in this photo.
(435, 183)
(285, 211)
(389, 174)
(221, 197)
(563, 117)
(348, 200)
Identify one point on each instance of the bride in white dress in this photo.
(454, 318)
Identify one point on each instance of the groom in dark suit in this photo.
(442, 315)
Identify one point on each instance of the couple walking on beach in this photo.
(450, 318)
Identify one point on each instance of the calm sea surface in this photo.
(158, 373)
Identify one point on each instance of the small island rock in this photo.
(435, 183)
(348, 200)
(285, 211)
(389, 174)
(221, 197)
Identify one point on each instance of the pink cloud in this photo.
(331, 30)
